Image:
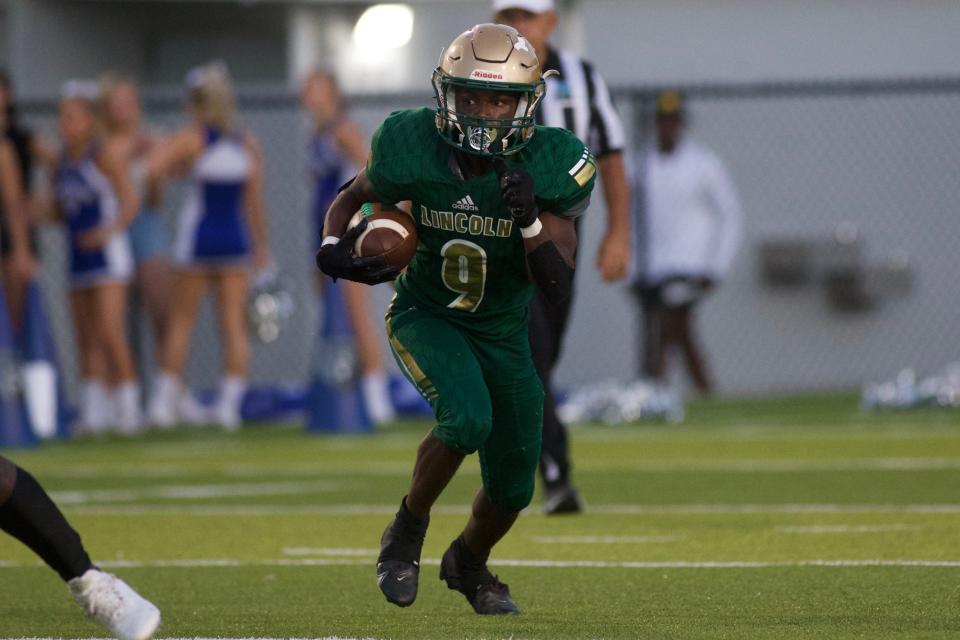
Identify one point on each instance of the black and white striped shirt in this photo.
(579, 100)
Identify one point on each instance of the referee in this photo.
(577, 100)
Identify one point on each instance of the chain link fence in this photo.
(876, 161)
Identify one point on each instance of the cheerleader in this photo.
(94, 196)
(120, 113)
(335, 152)
(221, 230)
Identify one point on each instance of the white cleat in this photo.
(109, 601)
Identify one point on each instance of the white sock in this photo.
(192, 412)
(376, 397)
(162, 411)
(129, 416)
(232, 390)
(94, 405)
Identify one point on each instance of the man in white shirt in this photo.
(689, 221)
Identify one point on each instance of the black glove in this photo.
(516, 186)
(337, 261)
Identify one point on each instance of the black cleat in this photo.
(485, 593)
(398, 567)
(562, 499)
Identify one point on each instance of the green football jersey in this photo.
(470, 265)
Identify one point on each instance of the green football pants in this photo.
(485, 394)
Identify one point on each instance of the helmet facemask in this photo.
(479, 135)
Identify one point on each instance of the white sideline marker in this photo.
(600, 509)
(193, 491)
(603, 539)
(329, 551)
(307, 470)
(768, 465)
(847, 528)
(544, 564)
(628, 509)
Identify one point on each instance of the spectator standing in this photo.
(26, 148)
(337, 150)
(18, 264)
(120, 112)
(93, 194)
(577, 99)
(689, 219)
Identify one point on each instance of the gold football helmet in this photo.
(488, 56)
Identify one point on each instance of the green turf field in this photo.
(796, 518)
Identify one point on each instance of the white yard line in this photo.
(328, 551)
(847, 528)
(192, 492)
(335, 510)
(242, 470)
(593, 509)
(547, 564)
(627, 509)
(766, 465)
(603, 539)
(776, 433)
(306, 470)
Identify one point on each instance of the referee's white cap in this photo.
(533, 6)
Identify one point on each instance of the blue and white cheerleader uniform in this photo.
(330, 168)
(87, 200)
(212, 230)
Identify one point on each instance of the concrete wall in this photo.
(667, 41)
(50, 41)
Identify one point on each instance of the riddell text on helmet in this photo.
(480, 74)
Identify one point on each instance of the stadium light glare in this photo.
(384, 26)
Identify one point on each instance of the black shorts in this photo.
(672, 292)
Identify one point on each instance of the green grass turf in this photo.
(782, 481)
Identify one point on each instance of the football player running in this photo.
(494, 199)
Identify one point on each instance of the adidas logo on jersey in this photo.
(465, 204)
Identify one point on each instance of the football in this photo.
(390, 233)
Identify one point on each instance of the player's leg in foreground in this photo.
(508, 463)
(398, 565)
(437, 359)
(482, 403)
(29, 515)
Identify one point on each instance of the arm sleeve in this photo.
(729, 221)
(606, 131)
